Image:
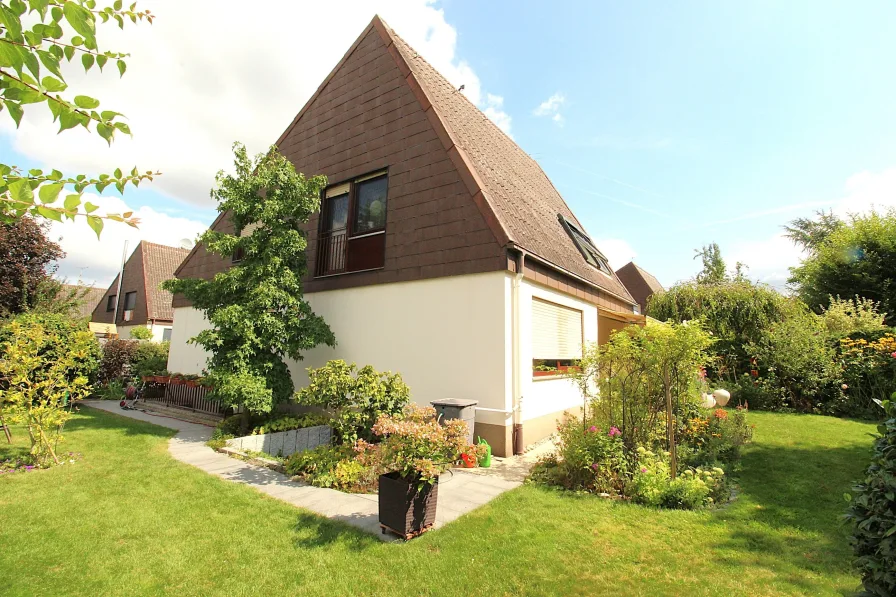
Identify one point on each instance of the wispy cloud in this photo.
(769, 212)
(551, 108)
(621, 183)
(625, 202)
(629, 143)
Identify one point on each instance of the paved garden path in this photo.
(459, 491)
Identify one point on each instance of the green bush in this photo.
(141, 333)
(715, 439)
(587, 459)
(868, 363)
(149, 358)
(797, 355)
(46, 362)
(354, 398)
(873, 512)
(652, 484)
(342, 467)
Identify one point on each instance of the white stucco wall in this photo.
(448, 337)
(543, 396)
(124, 331)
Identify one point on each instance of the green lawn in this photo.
(130, 520)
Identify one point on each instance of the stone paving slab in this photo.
(460, 491)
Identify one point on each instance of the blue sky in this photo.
(679, 124)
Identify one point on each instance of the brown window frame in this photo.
(133, 293)
(110, 303)
(350, 234)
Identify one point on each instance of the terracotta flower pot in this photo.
(404, 508)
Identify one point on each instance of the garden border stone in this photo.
(284, 443)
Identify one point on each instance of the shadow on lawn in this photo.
(313, 531)
(798, 494)
(93, 419)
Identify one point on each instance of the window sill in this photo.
(549, 375)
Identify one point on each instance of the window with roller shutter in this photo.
(556, 332)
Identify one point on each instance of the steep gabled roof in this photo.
(159, 264)
(514, 194)
(652, 283)
(89, 301)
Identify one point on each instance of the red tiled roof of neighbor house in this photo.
(89, 301)
(144, 271)
(159, 263)
(512, 185)
(640, 283)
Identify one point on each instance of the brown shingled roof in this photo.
(513, 186)
(159, 263)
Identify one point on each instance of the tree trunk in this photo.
(670, 428)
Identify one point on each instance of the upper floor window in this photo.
(583, 242)
(110, 302)
(353, 226)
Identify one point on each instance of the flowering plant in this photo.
(417, 447)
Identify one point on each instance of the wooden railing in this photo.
(181, 395)
(331, 250)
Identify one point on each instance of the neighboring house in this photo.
(640, 284)
(442, 250)
(141, 302)
(90, 299)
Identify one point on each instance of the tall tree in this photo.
(28, 261)
(256, 309)
(854, 258)
(36, 38)
(713, 271)
(810, 233)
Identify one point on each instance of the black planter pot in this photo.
(405, 509)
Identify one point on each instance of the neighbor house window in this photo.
(556, 337)
(585, 245)
(110, 303)
(353, 226)
(166, 335)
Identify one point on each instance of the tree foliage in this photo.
(27, 264)
(856, 257)
(38, 38)
(713, 271)
(736, 313)
(256, 310)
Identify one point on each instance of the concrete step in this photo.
(179, 413)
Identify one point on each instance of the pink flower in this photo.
(893, 355)
(643, 469)
(614, 431)
(595, 466)
(592, 429)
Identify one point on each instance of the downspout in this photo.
(516, 369)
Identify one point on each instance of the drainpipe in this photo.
(516, 369)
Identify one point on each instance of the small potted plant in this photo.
(191, 381)
(416, 449)
(177, 379)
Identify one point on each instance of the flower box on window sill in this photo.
(562, 371)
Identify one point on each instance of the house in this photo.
(140, 301)
(442, 251)
(88, 302)
(640, 283)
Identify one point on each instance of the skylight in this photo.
(592, 255)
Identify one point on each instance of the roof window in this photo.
(583, 242)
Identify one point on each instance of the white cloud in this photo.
(617, 251)
(868, 190)
(200, 78)
(551, 108)
(97, 261)
(768, 259)
(494, 109)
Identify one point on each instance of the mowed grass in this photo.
(130, 520)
